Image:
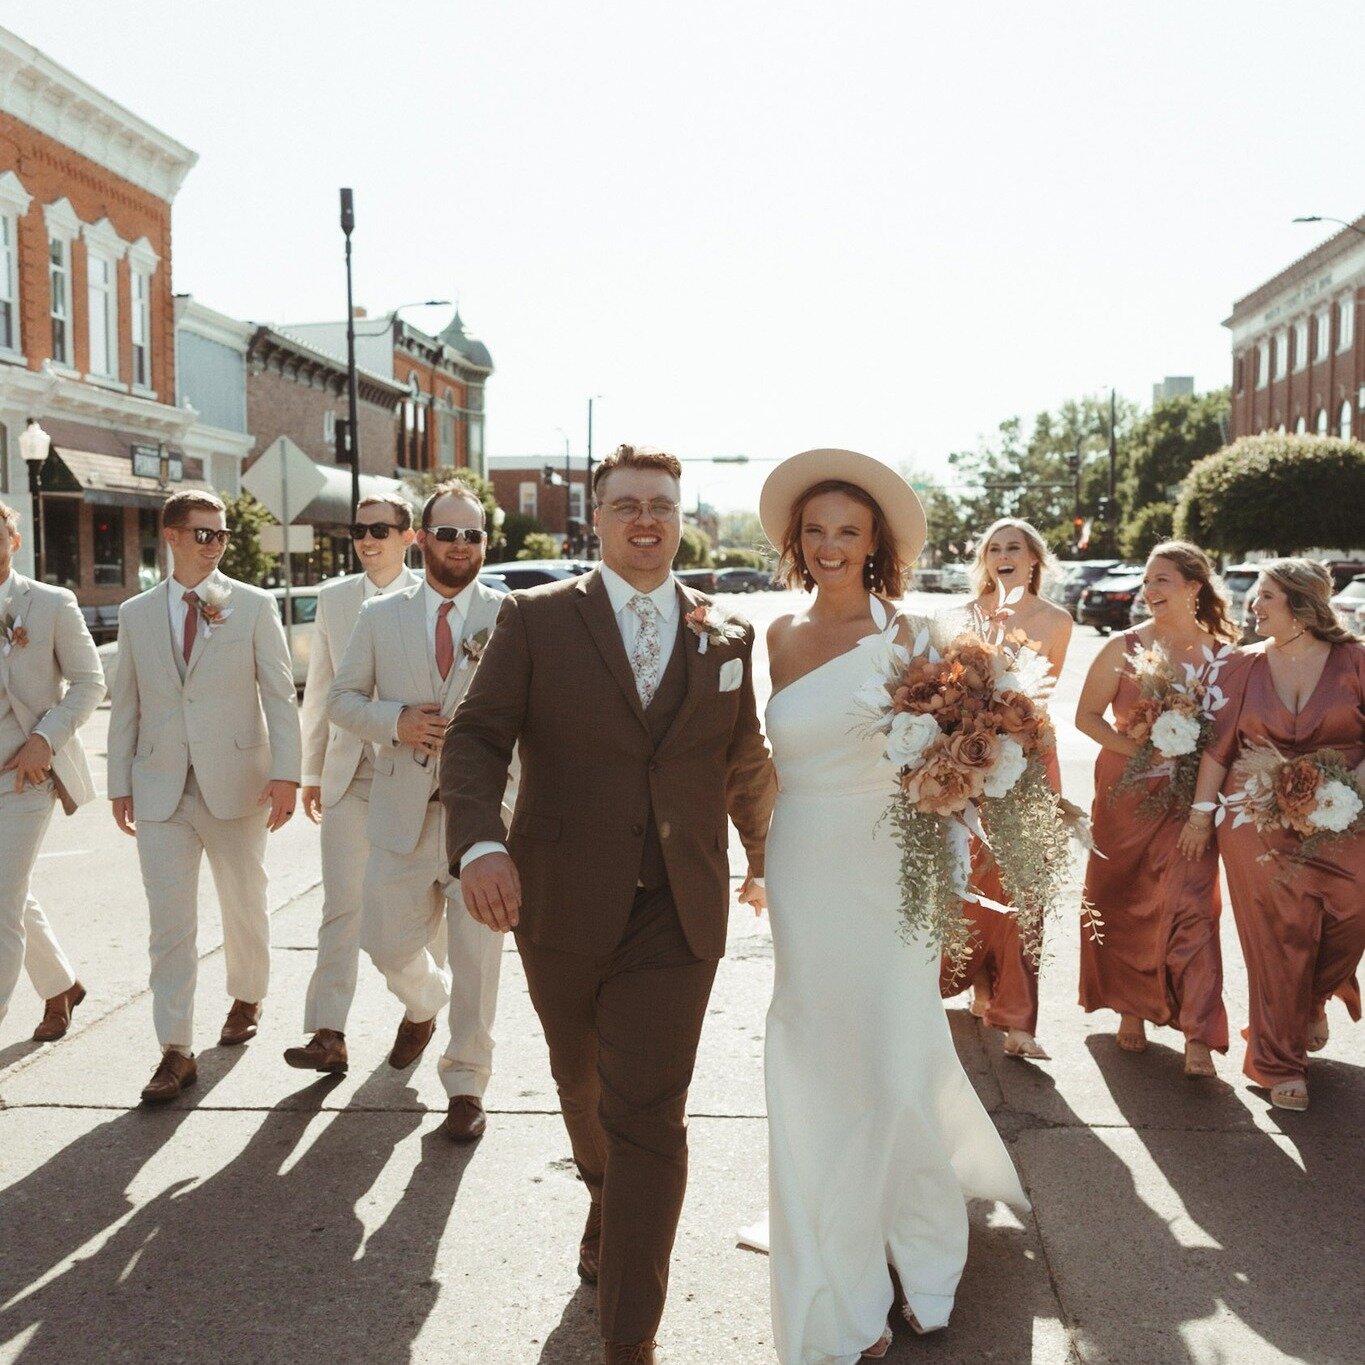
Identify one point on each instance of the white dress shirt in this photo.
(175, 604)
(434, 602)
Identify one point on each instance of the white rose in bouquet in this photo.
(911, 735)
(1008, 769)
(1337, 808)
(1174, 734)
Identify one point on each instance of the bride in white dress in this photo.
(876, 1137)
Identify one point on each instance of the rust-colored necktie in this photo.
(191, 601)
(445, 641)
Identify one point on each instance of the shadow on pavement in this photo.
(255, 1262)
(575, 1338)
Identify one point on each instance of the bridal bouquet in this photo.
(1172, 721)
(966, 729)
(1314, 796)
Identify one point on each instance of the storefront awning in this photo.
(332, 506)
(107, 479)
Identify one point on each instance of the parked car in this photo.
(1350, 604)
(700, 580)
(1238, 581)
(743, 580)
(530, 573)
(1107, 604)
(1343, 571)
(1080, 574)
(929, 580)
(956, 578)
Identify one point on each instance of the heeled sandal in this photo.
(1283, 1097)
(1132, 1040)
(880, 1347)
(1202, 1068)
(1026, 1048)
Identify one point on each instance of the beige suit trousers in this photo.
(26, 938)
(406, 897)
(171, 852)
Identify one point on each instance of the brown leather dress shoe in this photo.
(465, 1119)
(590, 1248)
(240, 1025)
(639, 1353)
(410, 1042)
(173, 1074)
(324, 1051)
(57, 1014)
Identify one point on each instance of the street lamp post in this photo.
(1321, 218)
(34, 444)
(589, 537)
(352, 384)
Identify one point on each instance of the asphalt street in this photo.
(269, 1217)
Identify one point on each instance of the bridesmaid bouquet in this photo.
(1171, 721)
(966, 729)
(1314, 796)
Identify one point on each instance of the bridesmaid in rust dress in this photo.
(1155, 956)
(1302, 925)
(1004, 982)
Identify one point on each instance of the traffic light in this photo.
(1073, 463)
(1078, 522)
(1106, 509)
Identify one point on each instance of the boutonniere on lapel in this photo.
(711, 627)
(215, 606)
(12, 629)
(472, 647)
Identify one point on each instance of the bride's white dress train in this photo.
(876, 1137)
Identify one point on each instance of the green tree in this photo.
(741, 559)
(1279, 493)
(1158, 451)
(742, 530)
(516, 526)
(244, 559)
(425, 482)
(949, 524)
(1150, 526)
(694, 552)
(539, 545)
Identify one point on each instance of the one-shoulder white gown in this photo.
(877, 1138)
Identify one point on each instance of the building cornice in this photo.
(103, 239)
(46, 392)
(37, 91)
(13, 195)
(203, 440)
(1326, 258)
(194, 317)
(269, 348)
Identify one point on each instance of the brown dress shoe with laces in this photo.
(57, 1014)
(324, 1051)
(465, 1120)
(173, 1074)
(590, 1247)
(240, 1025)
(410, 1042)
(639, 1353)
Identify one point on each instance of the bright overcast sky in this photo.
(752, 228)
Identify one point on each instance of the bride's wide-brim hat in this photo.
(900, 505)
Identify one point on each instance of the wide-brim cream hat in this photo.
(900, 505)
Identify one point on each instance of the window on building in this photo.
(1282, 355)
(62, 541)
(329, 427)
(527, 493)
(576, 501)
(1346, 324)
(1262, 364)
(1301, 427)
(1323, 324)
(446, 436)
(102, 299)
(59, 277)
(107, 525)
(1239, 382)
(141, 292)
(9, 283)
(4, 458)
(1301, 343)
(1346, 421)
(148, 548)
(1322, 422)
(476, 446)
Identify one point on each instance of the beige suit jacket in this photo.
(233, 720)
(54, 681)
(329, 752)
(388, 665)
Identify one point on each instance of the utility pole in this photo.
(352, 386)
(587, 491)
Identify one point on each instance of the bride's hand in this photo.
(754, 893)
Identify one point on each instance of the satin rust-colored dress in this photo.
(1159, 956)
(1302, 926)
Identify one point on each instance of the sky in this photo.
(752, 228)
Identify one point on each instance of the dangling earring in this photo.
(869, 572)
(806, 578)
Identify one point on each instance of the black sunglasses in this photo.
(378, 529)
(206, 535)
(448, 534)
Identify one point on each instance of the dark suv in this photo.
(1080, 574)
(1108, 604)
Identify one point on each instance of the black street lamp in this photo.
(34, 444)
(1320, 218)
(590, 536)
(352, 389)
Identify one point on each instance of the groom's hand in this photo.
(492, 891)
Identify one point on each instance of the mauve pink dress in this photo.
(1160, 957)
(1302, 934)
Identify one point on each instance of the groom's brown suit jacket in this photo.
(605, 786)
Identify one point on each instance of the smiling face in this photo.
(640, 550)
(192, 562)
(1169, 594)
(382, 559)
(837, 538)
(452, 565)
(1010, 560)
(1270, 607)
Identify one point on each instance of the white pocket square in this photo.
(731, 674)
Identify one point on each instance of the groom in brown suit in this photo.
(638, 733)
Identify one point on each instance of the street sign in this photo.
(300, 540)
(284, 479)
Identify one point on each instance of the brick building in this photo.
(1298, 356)
(441, 420)
(520, 486)
(87, 324)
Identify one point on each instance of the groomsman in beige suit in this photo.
(50, 682)
(204, 755)
(338, 771)
(409, 661)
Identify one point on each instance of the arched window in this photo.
(1301, 427)
(1346, 421)
(1323, 428)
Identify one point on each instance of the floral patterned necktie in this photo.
(644, 657)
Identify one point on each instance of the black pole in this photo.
(352, 388)
(568, 488)
(587, 491)
(1113, 470)
(35, 492)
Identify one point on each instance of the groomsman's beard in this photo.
(452, 576)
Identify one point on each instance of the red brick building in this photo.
(1298, 354)
(87, 324)
(520, 484)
